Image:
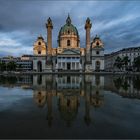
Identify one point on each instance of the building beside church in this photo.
(68, 56)
(131, 53)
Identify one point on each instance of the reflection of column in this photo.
(87, 103)
(53, 64)
(49, 108)
(87, 110)
(78, 65)
(71, 63)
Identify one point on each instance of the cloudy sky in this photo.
(21, 21)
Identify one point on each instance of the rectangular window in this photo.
(68, 42)
(97, 52)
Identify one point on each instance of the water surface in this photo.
(69, 106)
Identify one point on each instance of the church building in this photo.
(68, 56)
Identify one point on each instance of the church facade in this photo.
(68, 56)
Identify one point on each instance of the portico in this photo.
(68, 63)
(68, 60)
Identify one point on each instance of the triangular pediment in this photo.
(71, 51)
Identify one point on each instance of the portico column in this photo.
(71, 63)
(61, 62)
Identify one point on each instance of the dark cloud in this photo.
(22, 21)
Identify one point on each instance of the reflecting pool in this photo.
(69, 106)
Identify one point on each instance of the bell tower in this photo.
(49, 27)
(88, 26)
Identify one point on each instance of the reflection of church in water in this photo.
(67, 95)
(72, 92)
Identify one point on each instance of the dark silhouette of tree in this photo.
(118, 82)
(2, 66)
(136, 82)
(136, 63)
(125, 61)
(118, 63)
(125, 85)
(11, 66)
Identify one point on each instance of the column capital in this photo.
(49, 23)
(88, 24)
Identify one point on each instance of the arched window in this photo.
(97, 43)
(68, 32)
(39, 52)
(68, 42)
(97, 62)
(97, 65)
(39, 43)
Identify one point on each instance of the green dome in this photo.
(68, 28)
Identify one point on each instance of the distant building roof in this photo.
(123, 50)
(27, 55)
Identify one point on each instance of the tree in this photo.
(11, 66)
(136, 82)
(118, 82)
(136, 63)
(118, 63)
(2, 66)
(125, 85)
(125, 61)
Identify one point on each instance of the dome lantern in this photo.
(68, 20)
